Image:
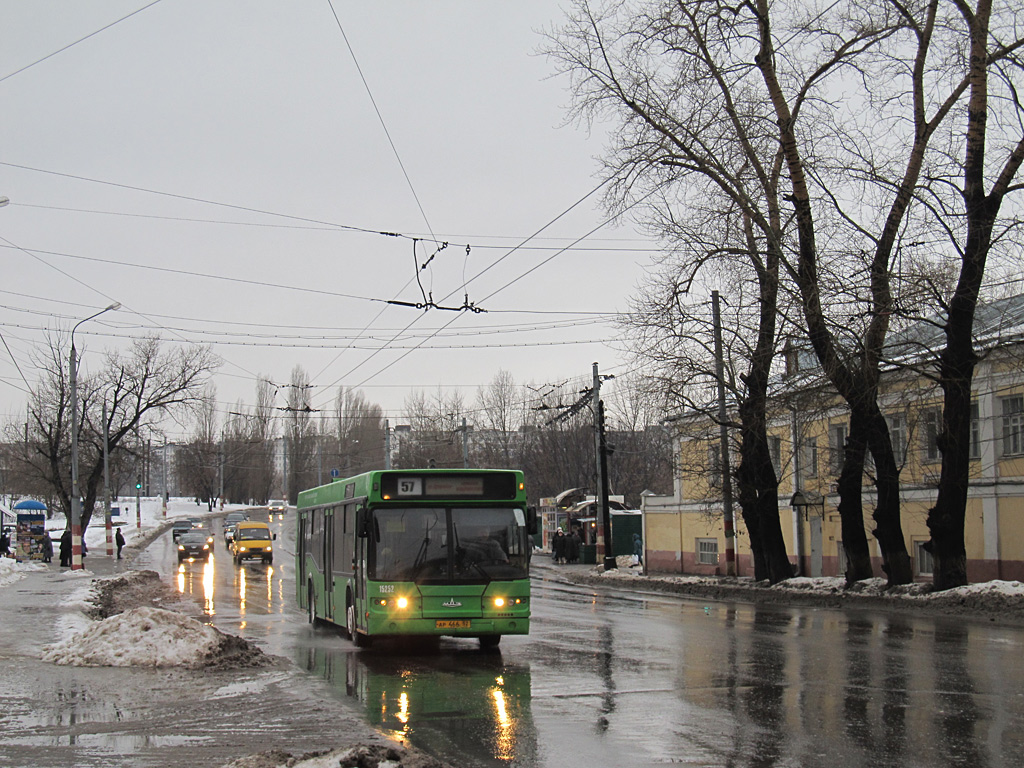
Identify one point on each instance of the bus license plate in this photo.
(452, 624)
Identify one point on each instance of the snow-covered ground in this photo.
(137, 529)
(145, 636)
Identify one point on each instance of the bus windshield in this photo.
(440, 545)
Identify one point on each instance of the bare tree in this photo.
(199, 460)
(140, 386)
(498, 424)
(300, 434)
(436, 429)
(360, 432)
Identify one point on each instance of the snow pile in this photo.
(143, 637)
(11, 570)
(361, 756)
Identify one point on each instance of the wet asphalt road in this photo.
(605, 678)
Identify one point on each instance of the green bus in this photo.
(417, 552)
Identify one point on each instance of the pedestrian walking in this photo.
(638, 549)
(47, 547)
(119, 540)
(65, 549)
(5, 544)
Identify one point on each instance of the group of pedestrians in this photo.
(64, 548)
(566, 547)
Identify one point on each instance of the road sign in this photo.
(335, 473)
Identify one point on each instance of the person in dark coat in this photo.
(638, 549)
(119, 540)
(65, 549)
(572, 547)
(558, 546)
(5, 543)
(47, 547)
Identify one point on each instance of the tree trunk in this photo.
(851, 508)
(888, 529)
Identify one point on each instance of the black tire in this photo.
(360, 640)
(268, 560)
(311, 607)
(489, 642)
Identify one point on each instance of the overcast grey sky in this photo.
(237, 139)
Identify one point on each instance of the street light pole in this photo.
(76, 501)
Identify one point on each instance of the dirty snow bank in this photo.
(362, 756)
(139, 637)
(995, 600)
(136, 632)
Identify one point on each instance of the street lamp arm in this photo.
(115, 305)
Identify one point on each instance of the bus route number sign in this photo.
(410, 486)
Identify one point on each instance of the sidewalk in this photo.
(993, 601)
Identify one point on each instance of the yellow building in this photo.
(684, 531)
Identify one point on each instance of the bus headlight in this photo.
(402, 603)
(499, 602)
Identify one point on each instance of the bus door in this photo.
(300, 556)
(362, 545)
(329, 564)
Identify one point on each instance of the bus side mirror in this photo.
(362, 528)
(532, 521)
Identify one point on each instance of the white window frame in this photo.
(707, 551)
(837, 436)
(974, 449)
(1013, 425)
(930, 423)
(715, 465)
(809, 459)
(775, 452)
(898, 436)
(924, 564)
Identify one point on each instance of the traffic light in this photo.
(138, 484)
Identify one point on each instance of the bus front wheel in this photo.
(360, 640)
(489, 641)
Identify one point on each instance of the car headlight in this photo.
(181, 547)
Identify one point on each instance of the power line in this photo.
(76, 42)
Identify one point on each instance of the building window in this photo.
(809, 457)
(775, 451)
(707, 551)
(715, 465)
(837, 434)
(1013, 425)
(898, 436)
(931, 423)
(975, 447)
(923, 563)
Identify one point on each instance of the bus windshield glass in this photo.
(439, 545)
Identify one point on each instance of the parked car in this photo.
(252, 541)
(180, 527)
(194, 545)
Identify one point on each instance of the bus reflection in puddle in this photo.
(453, 702)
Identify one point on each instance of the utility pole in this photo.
(387, 444)
(609, 554)
(167, 492)
(723, 433)
(107, 521)
(604, 531)
(465, 444)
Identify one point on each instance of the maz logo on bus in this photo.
(452, 604)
